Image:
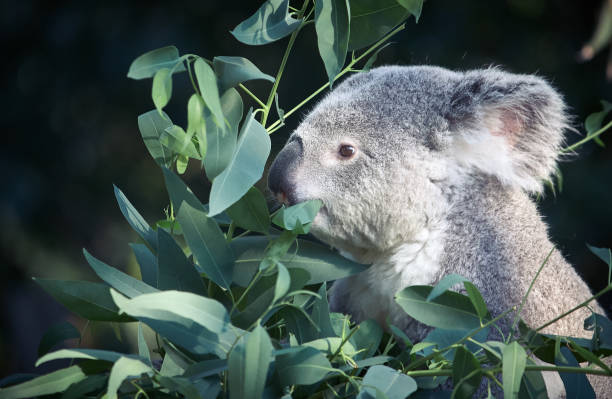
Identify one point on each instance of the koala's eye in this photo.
(347, 150)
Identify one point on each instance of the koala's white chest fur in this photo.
(371, 294)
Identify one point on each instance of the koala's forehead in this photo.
(378, 104)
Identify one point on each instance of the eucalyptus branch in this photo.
(587, 138)
(583, 304)
(344, 341)
(253, 96)
(281, 69)
(349, 68)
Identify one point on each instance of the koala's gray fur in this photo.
(439, 184)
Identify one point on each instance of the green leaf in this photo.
(206, 368)
(248, 364)
(414, 6)
(162, 89)
(476, 299)
(443, 338)
(146, 65)
(222, 142)
(175, 272)
(251, 212)
(283, 282)
(594, 121)
(450, 310)
(196, 125)
(176, 140)
(270, 22)
(57, 333)
(181, 385)
(207, 83)
(143, 348)
(576, 385)
(92, 354)
(332, 20)
(127, 285)
(514, 361)
(298, 217)
(393, 384)
(171, 366)
(322, 263)
(181, 164)
(234, 70)
(135, 220)
(80, 389)
(147, 262)
(151, 125)
(208, 244)
(602, 331)
(123, 369)
(299, 323)
(179, 192)
(331, 345)
(57, 381)
(245, 168)
(465, 363)
(445, 284)
(533, 385)
(91, 301)
(303, 367)
(197, 324)
(320, 313)
(367, 337)
(371, 20)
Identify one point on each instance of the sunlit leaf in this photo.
(93, 354)
(57, 381)
(245, 168)
(123, 369)
(332, 19)
(303, 367)
(176, 140)
(393, 384)
(514, 361)
(298, 217)
(270, 22)
(146, 65)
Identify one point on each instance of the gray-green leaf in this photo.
(207, 83)
(270, 22)
(152, 125)
(251, 212)
(248, 364)
(371, 20)
(56, 334)
(393, 384)
(304, 367)
(134, 219)
(147, 64)
(234, 70)
(162, 89)
(175, 272)
(514, 360)
(123, 369)
(57, 381)
(332, 20)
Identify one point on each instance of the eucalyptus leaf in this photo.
(514, 362)
(367, 337)
(143, 348)
(298, 217)
(320, 313)
(322, 263)
(576, 385)
(221, 142)
(176, 140)
(444, 285)
(91, 301)
(175, 272)
(270, 22)
(179, 192)
(414, 6)
(127, 285)
(207, 83)
(332, 21)
(135, 220)
(208, 244)
(304, 367)
(232, 71)
(476, 299)
(57, 381)
(245, 168)
(464, 364)
(80, 389)
(92, 354)
(161, 90)
(251, 212)
(248, 364)
(196, 125)
(370, 62)
(283, 282)
(56, 334)
(450, 310)
(147, 262)
(123, 369)
(151, 125)
(371, 20)
(181, 385)
(146, 65)
(393, 384)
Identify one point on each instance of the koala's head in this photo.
(384, 149)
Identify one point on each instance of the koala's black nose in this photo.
(280, 178)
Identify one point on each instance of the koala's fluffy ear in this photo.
(507, 125)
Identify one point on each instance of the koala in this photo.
(424, 172)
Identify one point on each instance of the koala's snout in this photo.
(280, 178)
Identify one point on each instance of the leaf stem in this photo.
(586, 139)
(253, 96)
(600, 293)
(275, 126)
(520, 309)
(281, 69)
(344, 341)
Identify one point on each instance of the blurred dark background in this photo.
(69, 126)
